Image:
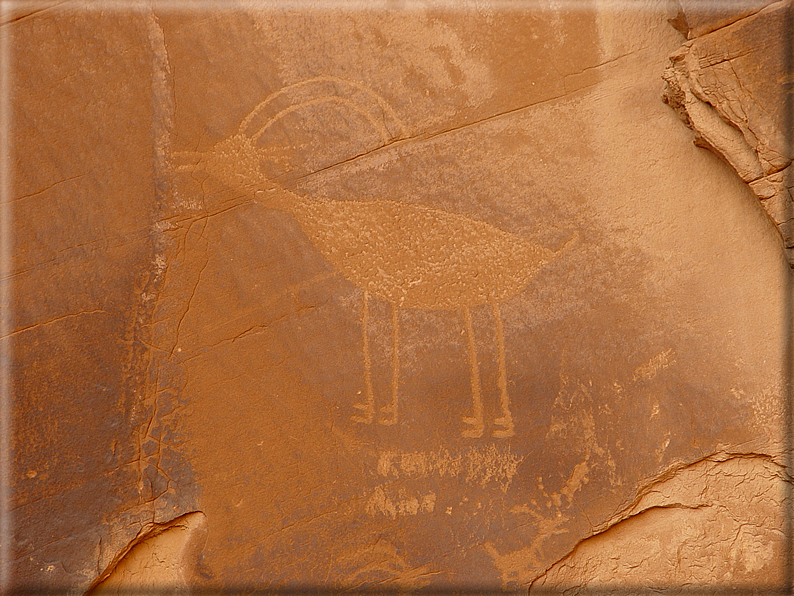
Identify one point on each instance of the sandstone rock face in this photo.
(717, 523)
(92, 458)
(696, 17)
(408, 299)
(728, 86)
(161, 560)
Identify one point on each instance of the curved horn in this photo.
(379, 126)
(382, 103)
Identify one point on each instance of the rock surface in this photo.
(718, 522)
(162, 560)
(730, 86)
(696, 17)
(398, 299)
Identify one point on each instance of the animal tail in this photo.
(572, 241)
(193, 156)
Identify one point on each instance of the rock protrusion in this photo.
(163, 559)
(717, 524)
(722, 85)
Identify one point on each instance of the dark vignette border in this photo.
(8, 14)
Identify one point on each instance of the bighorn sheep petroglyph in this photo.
(409, 255)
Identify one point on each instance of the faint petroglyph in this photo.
(477, 466)
(651, 368)
(578, 478)
(382, 565)
(402, 504)
(523, 565)
(768, 406)
(418, 464)
(769, 409)
(423, 48)
(572, 421)
(408, 255)
(663, 447)
(519, 566)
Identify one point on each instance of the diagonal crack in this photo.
(627, 512)
(426, 136)
(55, 320)
(50, 187)
(11, 20)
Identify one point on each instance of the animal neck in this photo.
(284, 200)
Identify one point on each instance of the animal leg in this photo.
(475, 420)
(395, 370)
(506, 419)
(368, 407)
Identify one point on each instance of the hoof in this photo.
(367, 415)
(507, 431)
(504, 434)
(476, 432)
(388, 415)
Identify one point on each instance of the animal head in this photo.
(235, 161)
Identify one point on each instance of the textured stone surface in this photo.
(718, 522)
(163, 559)
(696, 17)
(729, 87)
(404, 299)
(89, 467)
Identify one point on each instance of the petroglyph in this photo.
(523, 565)
(573, 417)
(478, 466)
(769, 409)
(402, 504)
(651, 368)
(408, 255)
(381, 564)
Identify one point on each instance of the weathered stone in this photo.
(726, 86)
(697, 17)
(718, 523)
(163, 559)
(401, 299)
(85, 278)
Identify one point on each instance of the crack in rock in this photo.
(718, 83)
(161, 559)
(716, 522)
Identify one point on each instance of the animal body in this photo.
(409, 255)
